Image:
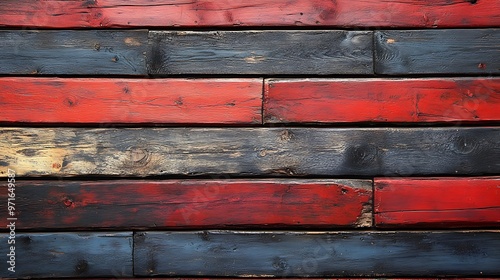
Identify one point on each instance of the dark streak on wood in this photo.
(49, 255)
(251, 151)
(261, 52)
(86, 52)
(193, 204)
(466, 51)
(283, 254)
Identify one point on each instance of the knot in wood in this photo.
(137, 157)
(465, 144)
(286, 135)
(361, 155)
(68, 202)
(81, 266)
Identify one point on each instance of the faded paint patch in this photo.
(129, 41)
(255, 59)
(366, 218)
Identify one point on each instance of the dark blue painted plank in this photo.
(83, 52)
(454, 51)
(43, 255)
(322, 52)
(226, 253)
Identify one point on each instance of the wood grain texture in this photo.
(381, 100)
(227, 13)
(50, 255)
(250, 151)
(70, 100)
(85, 52)
(457, 51)
(437, 202)
(261, 52)
(316, 254)
(192, 204)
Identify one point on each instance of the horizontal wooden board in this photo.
(381, 100)
(288, 254)
(163, 13)
(70, 100)
(261, 52)
(64, 52)
(50, 255)
(192, 204)
(437, 202)
(453, 51)
(250, 151)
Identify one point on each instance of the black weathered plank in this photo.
(250, 151)
(47, 255)
(261, 52)
(85, 52)
(282, 254)
(457, 51)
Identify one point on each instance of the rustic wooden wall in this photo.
(216, 138)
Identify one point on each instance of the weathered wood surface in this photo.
(381, 100)
(457, 51)
(86, 52)
(192, 204)
(437, 202)
(70, 100)
(227, 13)
(261, 52)
(49, 255)
(288, 254)
(250, 151)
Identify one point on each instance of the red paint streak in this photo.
(437, 202)
(208, 101)
(228, 13)
(196, 204)
(382, 100)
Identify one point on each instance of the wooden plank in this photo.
(261, 52)
(226, 13)
(192, 204)
(86, 52)
(49, 255)
(70, 100)
(437, 202)
(316, 254)
(381, 100)
(250, 151)
(457, 51)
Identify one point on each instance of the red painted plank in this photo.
(437, 202)
(192, 204)
(163, 13)
(205, 101)
(382, 100)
